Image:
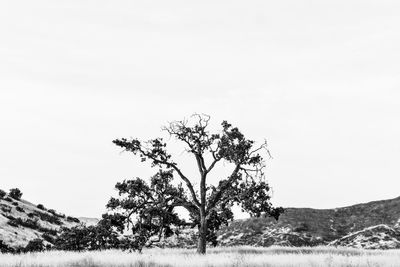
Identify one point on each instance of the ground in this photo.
(218, 257)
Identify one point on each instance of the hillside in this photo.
(369, 225)
(308, 227)
(22, 221)
(375, 237)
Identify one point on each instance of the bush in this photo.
(2, 194)
(20, 209)
(35, 245)
(52, 211)
(41, 207)
(8, 199)
(48, 237)
(6, 209)
(48, 218)
(28, 223)
(48, 231)
(55, 213)
(73, 219)
(81, 237)
(15, 193)
(4, 248)
(12, 223)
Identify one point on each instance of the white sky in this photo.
(320, 80)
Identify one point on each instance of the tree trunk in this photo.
(202, 242)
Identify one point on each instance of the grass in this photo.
(218, 257)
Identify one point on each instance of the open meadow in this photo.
(217, 257)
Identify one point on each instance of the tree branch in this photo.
(181, 175)
(218, 194)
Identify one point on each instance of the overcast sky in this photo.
(320, 80)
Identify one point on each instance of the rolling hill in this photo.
(309, 227)
(369, 225)
(22, 221)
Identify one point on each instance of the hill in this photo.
(22, 221)
(375, 237)
(369, 225)
(309, 227)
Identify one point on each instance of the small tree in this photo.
(15, 193)
(2, 194)
(35, 245)
(93, 237)
(149, 210)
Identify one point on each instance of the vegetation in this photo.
(73, 219)
(15, 193)
(2, 194)
(41, 207)
(35, 245)
(217, 257)
(20, 209)
(153, 205)
(51, 218)
(99, 237)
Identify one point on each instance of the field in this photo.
(218, 257)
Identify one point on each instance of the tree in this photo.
(150, 209)
(15, 193)
(94, 237)
(2, 194)
(35, 245)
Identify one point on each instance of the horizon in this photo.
(318, 81)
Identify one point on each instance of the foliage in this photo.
(20, 209)
(15, 193)
(51, 218)
(41, 207)
(35, 245)
(2, 194)
(81, 237)
(73, 219)
(8, 199)
(48, 237)
(149, 210)
(4, 248)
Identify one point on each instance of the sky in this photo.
(319, 80)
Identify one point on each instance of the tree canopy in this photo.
(148, 209)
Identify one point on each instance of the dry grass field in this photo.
(219, 257)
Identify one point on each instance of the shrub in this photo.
(41, 207)
(48, 237)
(15, 203)
(33, 224)
(73, 219)
(52, 211)
(48, 218)
(15, 193)
(81, 237)
(6, 209)
(8, 199)
(10, 217)
(4, 248)
(2, 194)
(56, 214)
(20, 209)
(12, 223)
(34, 245)
(48, 231)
